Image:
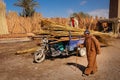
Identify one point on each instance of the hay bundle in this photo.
(60, 21)
(15, 24)
(104, 38)
(3, 24)
(50, 25)
(31, 50)
(56, 30)
(18, 24)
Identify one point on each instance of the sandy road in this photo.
(21, 67)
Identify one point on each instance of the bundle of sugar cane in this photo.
(3, 23)
(65, 33)
(49, 25)
(37, 32)
(31, 50)
(60, 30)
(104, 38)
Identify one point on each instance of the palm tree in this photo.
(28, 7)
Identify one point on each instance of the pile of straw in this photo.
(18, 24)
(61, 31)
(31, 50)
(3, 23)
(55, 29)
(104, 38)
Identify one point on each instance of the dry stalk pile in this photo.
(18, 24)
(3, 24)
(55, 30)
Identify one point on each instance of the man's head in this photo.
(86, 33)
(71, 17)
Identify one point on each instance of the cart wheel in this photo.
(39, 56)
(82, 51)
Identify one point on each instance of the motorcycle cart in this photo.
(56, 47)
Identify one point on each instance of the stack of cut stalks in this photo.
(62, 31)
(51, 28)
(18, 24)
(3, 23)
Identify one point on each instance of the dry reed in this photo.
(3, 23)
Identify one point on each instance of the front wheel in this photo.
(39, 56)
(82, 51)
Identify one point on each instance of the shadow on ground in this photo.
(79, 66)
(59, 57)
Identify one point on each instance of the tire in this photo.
(39, 56)
(82, 52)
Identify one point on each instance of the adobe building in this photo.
(113, 23)
(114, 9)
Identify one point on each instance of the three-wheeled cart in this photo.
(59, 46)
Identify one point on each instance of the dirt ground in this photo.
(21, 67)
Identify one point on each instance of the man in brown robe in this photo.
(92, 49)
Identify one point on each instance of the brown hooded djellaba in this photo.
(92, 48)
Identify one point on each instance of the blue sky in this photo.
(63, 8)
